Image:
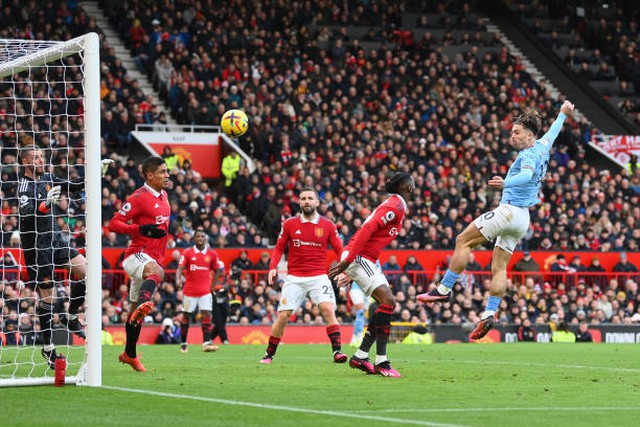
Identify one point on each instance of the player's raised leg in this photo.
(465, 242)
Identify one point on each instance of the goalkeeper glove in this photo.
(152, 231)
(52, 196)
(104, 165)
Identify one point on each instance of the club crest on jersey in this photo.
(207, 260)
(319, 232)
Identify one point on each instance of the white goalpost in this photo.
(50, 97)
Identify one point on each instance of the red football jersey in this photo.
(144, 206)
(308, 245)
(380, 228)
(197, 268)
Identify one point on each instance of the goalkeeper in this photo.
(43, 245)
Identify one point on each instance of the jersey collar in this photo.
(404, 203)
(152, 191)
(314, 220)
(196, 250)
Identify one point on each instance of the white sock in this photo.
(49, 347)
(443, 289)
(361, 354)
(381, 358)
(487, 313)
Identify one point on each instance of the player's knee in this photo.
(283, 316)
(153, 269)
(327, 311)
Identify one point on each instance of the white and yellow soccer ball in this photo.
(234, 123)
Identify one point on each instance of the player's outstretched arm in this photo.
(566, 110)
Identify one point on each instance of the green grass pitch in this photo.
(442, 385)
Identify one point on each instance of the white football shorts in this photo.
(204, 302)
(296, 289)
(133, 265)
(505, 225)
(368, 275)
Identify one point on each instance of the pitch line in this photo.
(503, 409)
(546, 365)
(282, 408)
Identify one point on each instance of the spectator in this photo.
(624, 266)
(563, 334)
(392, 269)
(583, 334)
(524, 265)
(411, 267)
(170, 332)
(171, 159)
(526, 332)
(240, 264)
(633, 165)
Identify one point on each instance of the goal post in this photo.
(51, 89)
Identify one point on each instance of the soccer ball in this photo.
(234, 123)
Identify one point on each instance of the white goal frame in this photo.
(90, 373)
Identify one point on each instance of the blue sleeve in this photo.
(522, 178)
(553, 132)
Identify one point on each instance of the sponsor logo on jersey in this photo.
(297, 243)
(193, 267)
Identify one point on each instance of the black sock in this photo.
(133, 333)
(44, 316)
(76, 299)
(207, 327)
(184, 327)
(370, 336)
(147, 288)
(384, 314)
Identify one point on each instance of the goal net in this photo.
(50, 98)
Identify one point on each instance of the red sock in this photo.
(273, 345)
(333, 331)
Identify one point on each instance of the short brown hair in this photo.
(309, 188)
(150, 164)
(530, 119)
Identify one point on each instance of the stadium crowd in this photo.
(598, 42)
(341, 112)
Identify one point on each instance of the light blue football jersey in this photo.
(535, 158)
